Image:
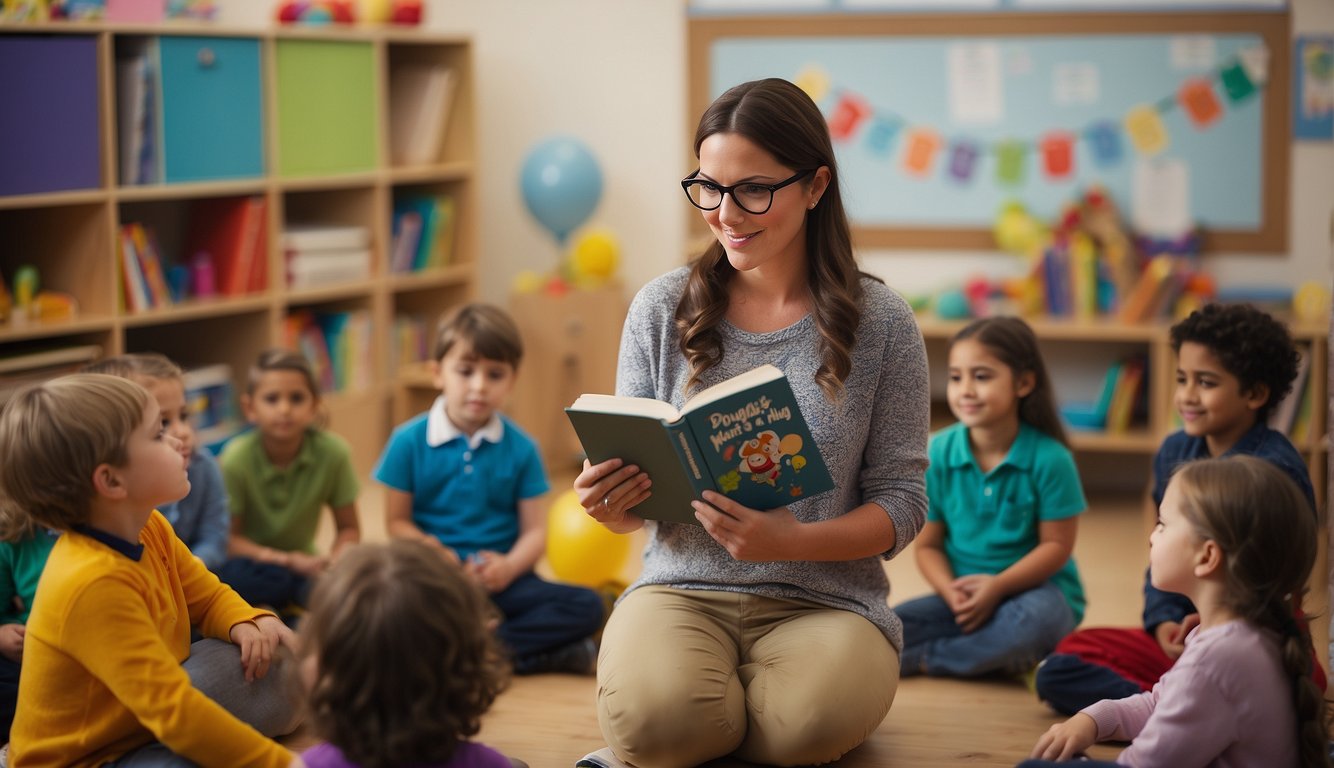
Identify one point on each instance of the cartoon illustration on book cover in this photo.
(759, 455)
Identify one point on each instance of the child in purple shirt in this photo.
(1241, 693)
(399, 662)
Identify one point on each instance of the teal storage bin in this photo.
(213, 114)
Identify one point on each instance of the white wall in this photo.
(612, 72)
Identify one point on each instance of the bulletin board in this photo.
(1053, 75)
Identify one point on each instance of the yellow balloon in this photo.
(581, 550)
(594, 256)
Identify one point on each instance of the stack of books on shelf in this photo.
(230, 234)
(136, 114)
(143, 284)
(325, 254)
(423, 233)
(21, 369)
(1292, 416)
(337, 344)
(1122, 399)
(412, 341)
(212, 402)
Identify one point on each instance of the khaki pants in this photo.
(686, 676)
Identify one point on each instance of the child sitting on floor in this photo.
(108, 666)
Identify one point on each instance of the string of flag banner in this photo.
(1239, 78)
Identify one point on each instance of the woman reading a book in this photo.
(756, 631)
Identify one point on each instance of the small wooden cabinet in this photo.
(296, 118)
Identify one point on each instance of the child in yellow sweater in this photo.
(108, 667)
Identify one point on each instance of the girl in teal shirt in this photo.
(1003, 502)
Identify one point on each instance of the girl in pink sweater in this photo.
(1241, 693)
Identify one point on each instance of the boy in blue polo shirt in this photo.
(464, 479)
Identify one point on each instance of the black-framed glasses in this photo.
(753, 197)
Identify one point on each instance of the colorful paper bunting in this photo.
(1146, 130)
(1236, 82)
(1198, 97)
(963, 157)
(1010, 162)
(880, 135)
(1058, 156)
(921, 153)
(1105, 141)
(849, 113)
(1201, 104)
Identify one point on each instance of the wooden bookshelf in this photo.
(323, 155)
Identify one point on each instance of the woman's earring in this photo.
(812, 205)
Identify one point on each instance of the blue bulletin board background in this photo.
(1237, 181)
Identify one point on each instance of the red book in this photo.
(225, 228)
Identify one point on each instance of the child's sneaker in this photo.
(603, 758)
(577, 658)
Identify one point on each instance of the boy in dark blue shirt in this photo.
(1234, 364)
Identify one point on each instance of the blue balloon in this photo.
(561, 184)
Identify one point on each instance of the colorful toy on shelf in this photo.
(1310, 304)
(527, 281)
(27, 283)
(1019, 232)
(53, 305)
(390, 11)
(406, 12)
(195, 10)
(316, 12)
(953, 305)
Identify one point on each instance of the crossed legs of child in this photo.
(1100, 663)
(1024, 628)
(269, 704)
(265, 584)
(548, 627)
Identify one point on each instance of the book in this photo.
(1284, 415)
(745, 438)
(407, 233)
(325, 237)
(312, 269)
(134, 285)
(419, 103)
(232, 231)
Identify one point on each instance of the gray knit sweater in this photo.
(874, 442)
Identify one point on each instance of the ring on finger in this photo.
(606, 502)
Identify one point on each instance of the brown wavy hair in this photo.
(53, 435)
(405, 665)
(1013, 342)
(1267, 532)
(781, 119)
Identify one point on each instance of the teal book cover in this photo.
(745, 438)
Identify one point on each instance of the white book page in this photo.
(634, 406)
(738, 383)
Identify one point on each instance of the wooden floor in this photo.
(549, 721)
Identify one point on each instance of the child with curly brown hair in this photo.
(399, 662)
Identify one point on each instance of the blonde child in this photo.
(1241, 693)
(399, 662)
(279, 476)
(1004, 497)
(24, 548)
(201, 518)
(470, 484)
(108, 663)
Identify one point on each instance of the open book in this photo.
(744, 437)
